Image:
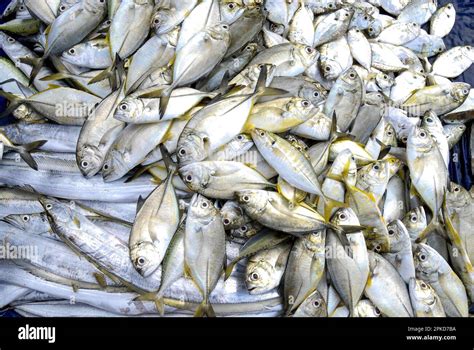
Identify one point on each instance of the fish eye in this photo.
(254, 276)
(182, 152)
(141, 261)
(316, 303)
(49, 206)
(245, 198)
(391, 232)
(21, 8)
(308, 50)
(327, 69)
(456, 189)
(330, 6)
(371, 29)
(378, 248)
(257, 8)
(10, 40)
(108, 22)
(226, 222)
(342, 216)
(414, 218)
(72, 51)
(260, 66)
(240, 137)
(248, 48)
(204, 205)
(123, 106)
(404, 139)
(26, 218)
(414, 24)
(422, 257)
(244, 228)
(225, 26)
(62, 8)
(385, 77)
(376, 311)
(231, 6)
(465, 91)
(305, 103)
(377, 167)
(389, 133)
(156, 21)
(423, 285)
(352, 75)
(429, 120)
(366, 18)
(315, 94)
(101, 1)
(106, 167)
(189, 178)
(262, 133)
(84, 164)
(347, 15)
(422, 134)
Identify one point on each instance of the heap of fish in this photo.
(233, 157)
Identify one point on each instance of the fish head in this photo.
(376, 172)
(413, 28)
(384, 80)
(191, 148)
(398, 236)
(146, 258)
(196, 176)
(301, 107)
(313, 92)
(89, 160)
(114, 166)
(457, 196)
(297, 143)
(20, 221)
(415, 221)
(393, 163)
(247, 230)
(231, 11)
(423, 294)
(431, 120)
(259, 276)
(97, 7)
(11, 46)
(129, 109)
(277, 28)
(249, 51)
(420, 140)
(219, 31)
(241, 142)
(59, 214)
(163, 21)
(307, 55)
(254, 201)
(426, 259)
(313, 306)
(375, 28)
(75, 55)
(345, 216)
(263, 138)
(230, 212)
(365, 308)
(376, 241)
(315, 241)
(24, 112)
(460, 92)
(202, 208)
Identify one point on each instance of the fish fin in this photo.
(329, 205)
(110, 73)
(15, 101)
(100, 278)
(58, 76)
(262, 90)
(105, 74)
(156, 93)
(229, 269)
(171, 166)
(384, 149)
(164, 100)
(205, 309)
(434, 226)
(157, 298)
(25, 150)
(140, 203)
(36, 63)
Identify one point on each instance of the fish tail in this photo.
(114, 73)
(36, 63)
(262, 90)
(229, 269)
(329, 205)
(25, 154)
(15, 101)
(205, 309)
(165, 100)
(434, 226)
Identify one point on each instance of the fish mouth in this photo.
(10, 221)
